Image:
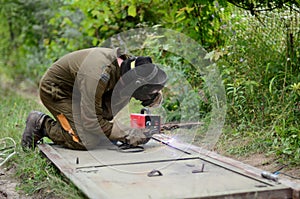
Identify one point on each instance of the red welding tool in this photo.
(145, 120)
(152, 123)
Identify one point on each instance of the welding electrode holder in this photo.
(269, 176)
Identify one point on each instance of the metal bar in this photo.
(133, 163)
(166, 143)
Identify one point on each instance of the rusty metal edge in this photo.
(246, 169)
(85, 185)
(242, 169)
(290, 189)
(263, 194)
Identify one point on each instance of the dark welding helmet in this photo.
(141, 79)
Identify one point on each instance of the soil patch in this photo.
(8, 185)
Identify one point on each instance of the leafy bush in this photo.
(261, 80)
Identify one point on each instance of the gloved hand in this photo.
(128, 135)
(136, 137)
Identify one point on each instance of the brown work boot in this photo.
(34, 130)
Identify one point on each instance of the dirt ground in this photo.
(8, 185)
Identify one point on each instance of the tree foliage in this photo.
(263, 5)
(24, 26)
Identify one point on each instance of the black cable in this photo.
(297, 178)
(278, 172)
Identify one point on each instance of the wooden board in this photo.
(109, 173)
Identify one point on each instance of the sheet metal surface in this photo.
(108, 173)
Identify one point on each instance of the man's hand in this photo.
(136, 137)
(128, 135)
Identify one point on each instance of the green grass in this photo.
(36, 174)
(265, 141)
(244, 143)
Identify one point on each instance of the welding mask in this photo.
(141, 79)
(147, 93)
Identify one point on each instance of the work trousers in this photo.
(50, 96)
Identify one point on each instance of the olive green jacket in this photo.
(87, 77)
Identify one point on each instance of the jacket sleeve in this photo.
(92, 89)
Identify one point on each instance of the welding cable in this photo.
(126, 148)
(296, 178)
(277, 172)
(5, 150)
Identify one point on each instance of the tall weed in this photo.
(259, 76)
